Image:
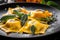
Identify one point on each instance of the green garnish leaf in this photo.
(44, 19)
(5, 18)
(32, 29)
(18, 13)
(24, 19)
(43, 2)
(49, 20)
(22, 16)
(51, 3)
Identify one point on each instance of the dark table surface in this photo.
(55, 36)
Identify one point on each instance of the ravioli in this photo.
(21, 19)
(11, 26)
(40, 28)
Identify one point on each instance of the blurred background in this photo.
(34, 1)
(54, 3)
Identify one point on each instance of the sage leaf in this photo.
(32, 29)
(18, 13)
(43, 2)
(24, 19)
(51, 3)
(5, 18)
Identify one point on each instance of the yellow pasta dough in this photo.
(23, 19)
(40, 28)
(12, 26)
